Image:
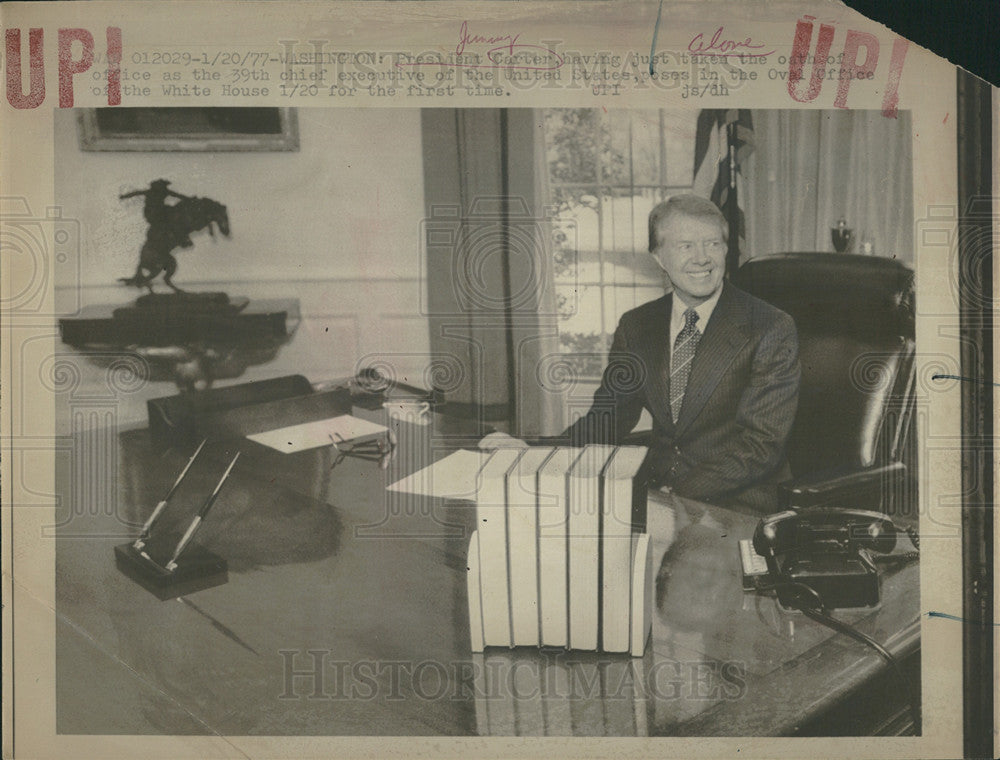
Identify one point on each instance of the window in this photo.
(606, 171)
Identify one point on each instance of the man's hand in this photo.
(501, 441)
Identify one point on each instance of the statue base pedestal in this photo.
(189, 339)
(187, 303)
(166, 320)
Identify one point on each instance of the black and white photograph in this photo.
(457, 283)
(500, 392)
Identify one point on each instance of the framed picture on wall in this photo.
(189, 129)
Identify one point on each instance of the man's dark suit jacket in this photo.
(728, 445)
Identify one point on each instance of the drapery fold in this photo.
(490, 287)
(811, 168)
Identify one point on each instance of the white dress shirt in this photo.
(678, 308)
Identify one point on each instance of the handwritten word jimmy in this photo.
(74, 55)
(465, 38)
(720, 46)
(510, 55)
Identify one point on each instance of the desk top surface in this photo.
(346, 613)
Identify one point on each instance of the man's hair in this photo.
(684, 205)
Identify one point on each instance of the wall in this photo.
(335, 225)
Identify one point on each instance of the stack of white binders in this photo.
(560, 557)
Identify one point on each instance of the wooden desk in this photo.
(345, 614)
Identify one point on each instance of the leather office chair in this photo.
(852, 443)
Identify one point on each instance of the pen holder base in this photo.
(197, 569)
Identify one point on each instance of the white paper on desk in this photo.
(453, 477)
(313, 435)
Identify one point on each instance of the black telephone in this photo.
(828, 550)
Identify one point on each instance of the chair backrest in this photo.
(856, 341)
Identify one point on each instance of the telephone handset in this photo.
(828, 550)
(371, 387)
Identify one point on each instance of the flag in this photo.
(723, 141)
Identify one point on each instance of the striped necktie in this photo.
(680, 361)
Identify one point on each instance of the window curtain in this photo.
(809, 169)
(490, 295)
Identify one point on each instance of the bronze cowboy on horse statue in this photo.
(170, 227)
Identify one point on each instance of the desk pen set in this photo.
(191, 567)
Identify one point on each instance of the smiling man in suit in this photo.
(717, 369)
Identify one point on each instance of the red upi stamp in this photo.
(851, 67)
(74, 55)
